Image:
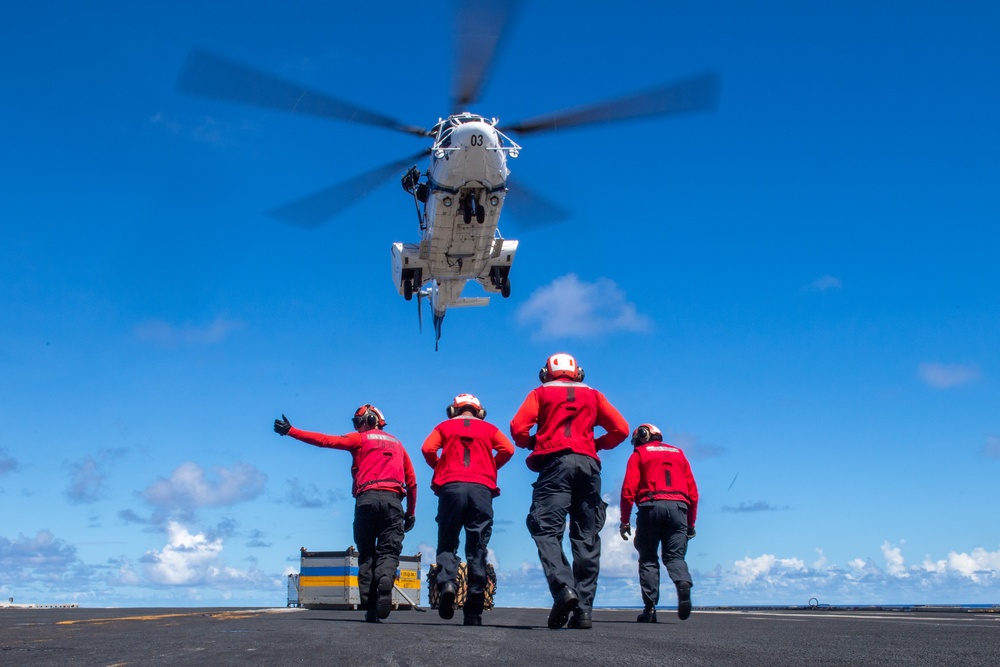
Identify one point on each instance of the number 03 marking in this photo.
(476, 140)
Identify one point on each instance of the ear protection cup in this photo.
(645, 433)
(368, 415)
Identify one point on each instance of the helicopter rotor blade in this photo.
(480, 29)
(531, 209)
(209, 75)
(698, 93)
(314, 210)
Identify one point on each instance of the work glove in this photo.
(281, 426)
(409, 521)
(691, 532)
(625, 530)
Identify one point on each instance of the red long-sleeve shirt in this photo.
(658, 471)
(380, 461)
(466, 445)
(566, 413)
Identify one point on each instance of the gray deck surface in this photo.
(745, 637)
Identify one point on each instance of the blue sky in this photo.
(800, 289)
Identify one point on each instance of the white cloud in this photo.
(309, 496)
(190, 487)
(570, 308)
(7, 463)
(618, 557)
(694, 448)
(894, 560)
(752, 506)
(42, 559)
(88, 477)
(991, 448)
(170, 335)
(767, 569)
(980, 566)
(945, 376)
(823, 284)
(192, 559)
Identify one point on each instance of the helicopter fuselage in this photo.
(462, 195)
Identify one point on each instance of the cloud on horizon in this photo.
(44, 558)
(570, 308)
(193, 559)
(946, 376)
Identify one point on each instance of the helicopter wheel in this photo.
(505, 287)
(480, 213)
(407, 289)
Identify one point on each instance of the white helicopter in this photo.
(459, 197)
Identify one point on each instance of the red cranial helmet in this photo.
(560, 365)
(646, 433)
(368, 416)
(466, 401)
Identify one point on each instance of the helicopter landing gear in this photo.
(500, 280)
(467, 209)
(471, 207)
(408, 289)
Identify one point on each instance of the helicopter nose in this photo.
(476, 136)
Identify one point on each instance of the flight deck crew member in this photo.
(382, 475)
(658, 479)
(564, 454)
(461, 452)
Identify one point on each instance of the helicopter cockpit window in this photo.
(445, 139)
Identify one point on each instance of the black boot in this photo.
(683, 600)
(581, 620)
(648, 615)
(565, 602)
(384, 605)
(446, 600)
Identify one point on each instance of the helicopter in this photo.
(459, 197)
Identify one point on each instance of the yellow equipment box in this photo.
(329, 580)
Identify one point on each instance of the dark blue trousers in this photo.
(569, 486)
(662, 523)
(469, 506)
(378, 532)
